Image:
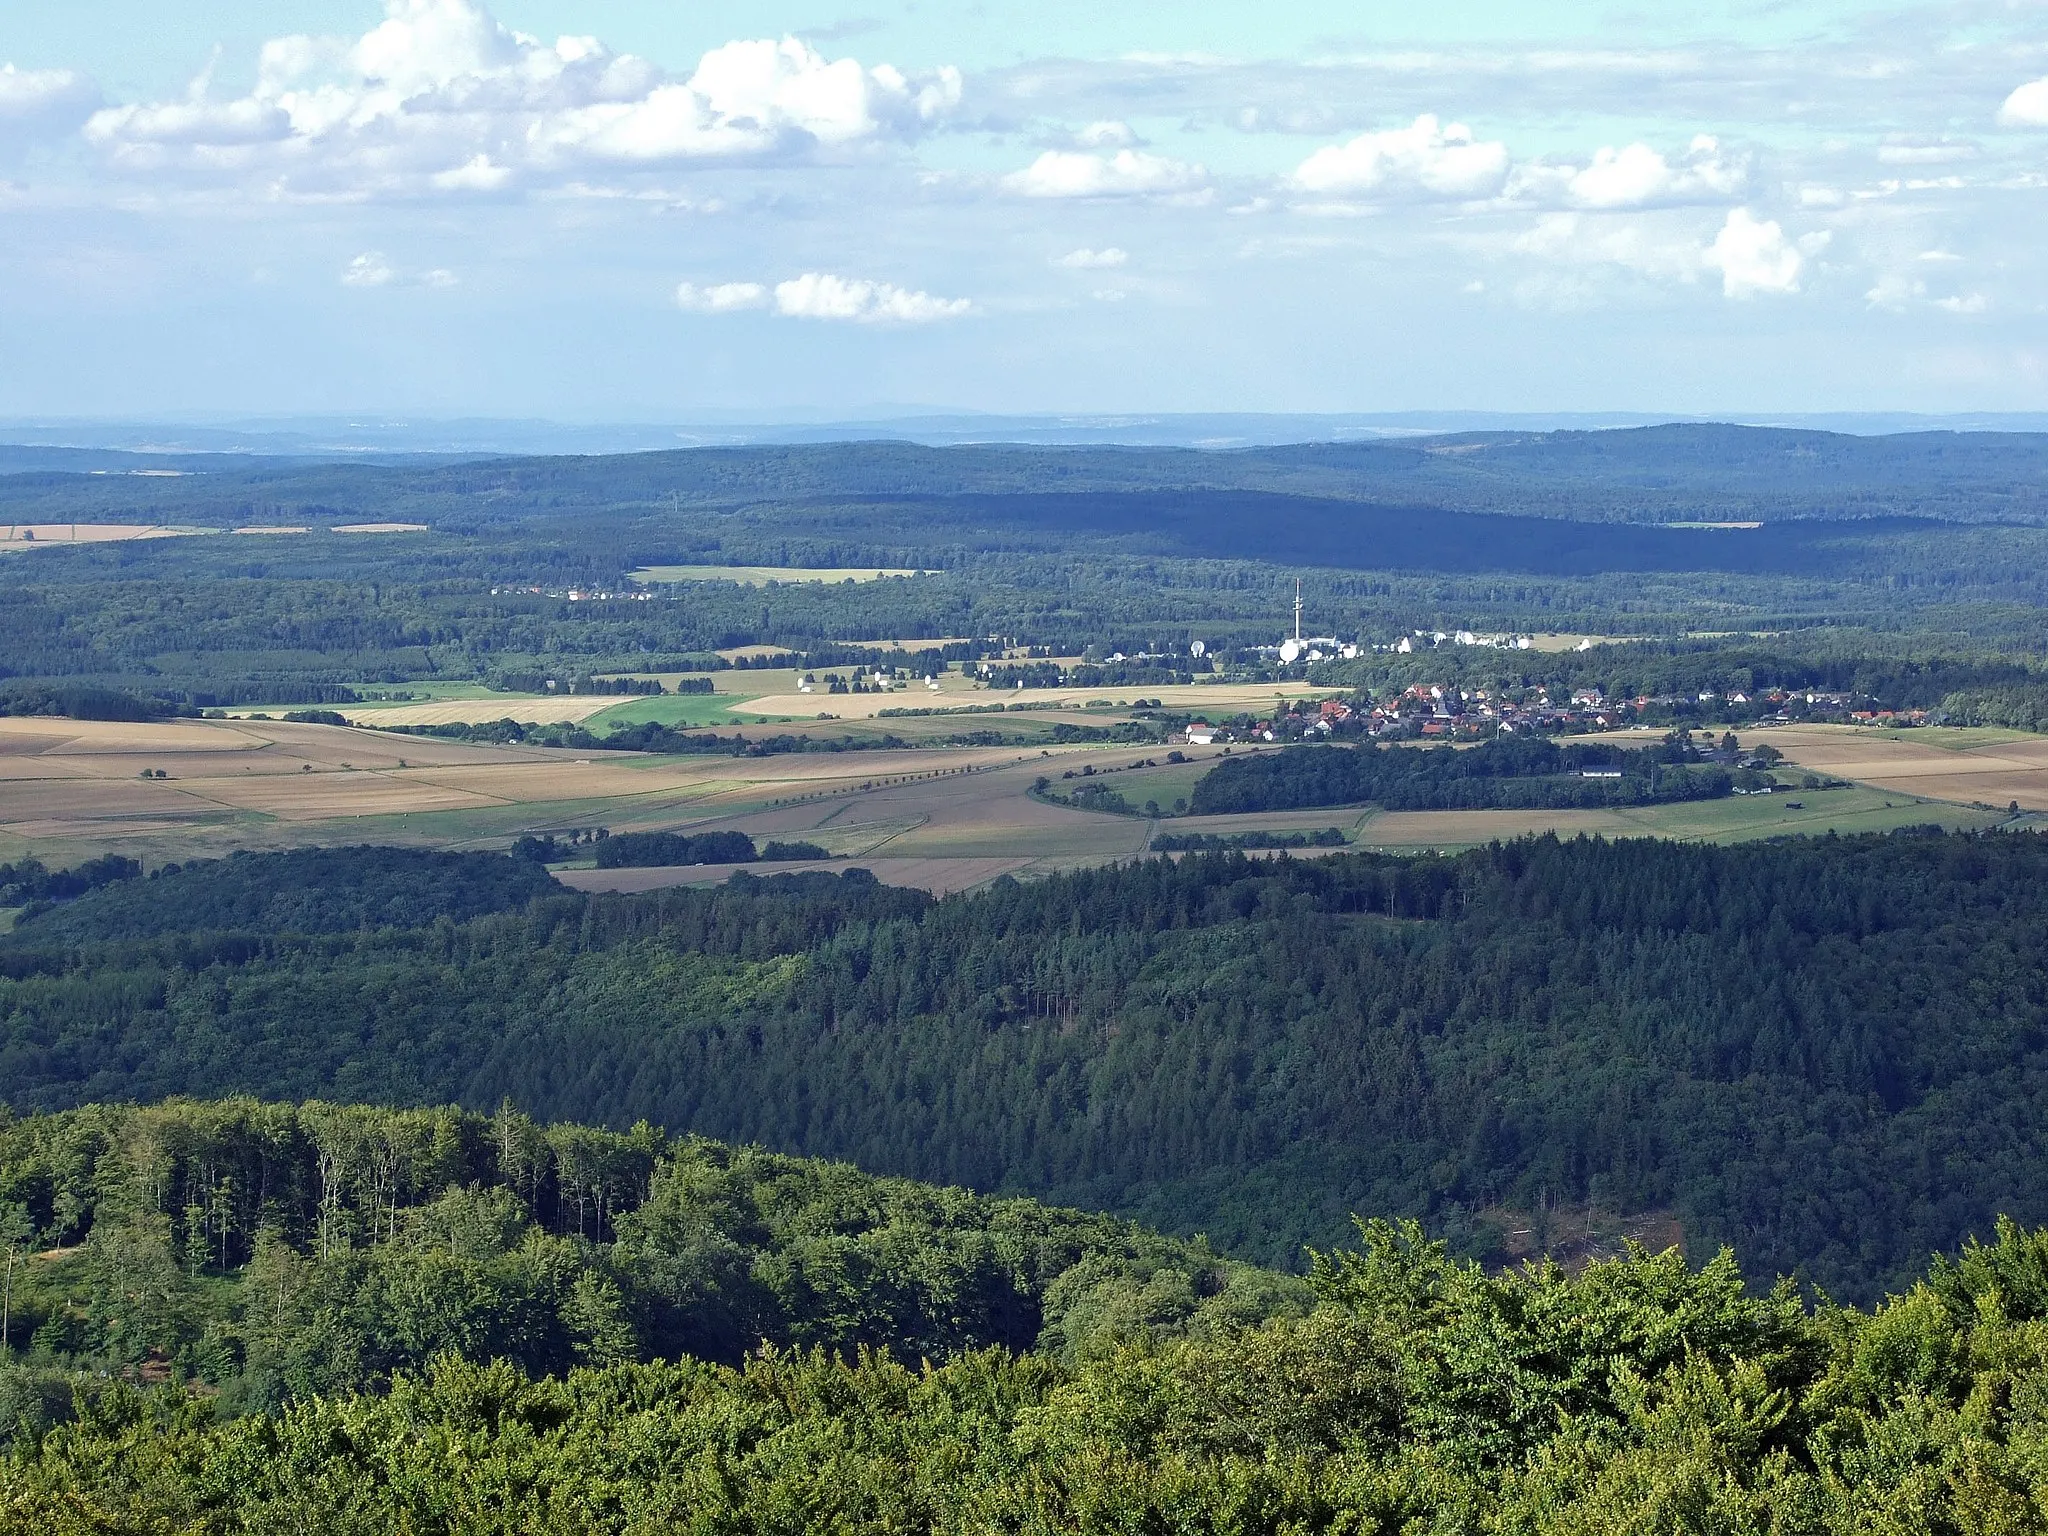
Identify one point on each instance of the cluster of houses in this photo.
(576, 594)
(1432, 711)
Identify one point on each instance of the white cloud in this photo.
(1634, 176)
(1753, 256)
(440, 97)
(1646, 246)
(1088, 260)
(1899, 293)
(1108, 134)
(1900, 150)
(1127, 173)
(822, 296)
(721, 298)
(369, 270)
(1425, 159)
(2027, 106)
(34, 102)
(373, 270)
(476, 174)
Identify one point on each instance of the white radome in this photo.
(1290, 651)
(1198, 648)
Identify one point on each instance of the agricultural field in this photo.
(30, 535)
(1217, 700)
(1972, 767)
(72, 789)
(1812, 812)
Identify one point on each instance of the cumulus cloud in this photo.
(1427, 159)
(1644, 246)
(1898, 293)
(1108, 134)
(1899, 149)
(824, 296)
(1127, 173)
(1634, 176)
(369, 270)
(38, 102)
(373, 270)
(2027, 106)
(821, 296)
(1753, 256)
(441, 97)
(721, 298)
(1085, 260)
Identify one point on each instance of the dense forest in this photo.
(249, 1362)
(1828, 1053)
(275, 1252)
(1509, 771)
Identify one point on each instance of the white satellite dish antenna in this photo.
(1199, 648)
(1290, 651)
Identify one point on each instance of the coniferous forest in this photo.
(1826, 1053)
(1552, 1185)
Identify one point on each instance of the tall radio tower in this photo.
(1297, 610)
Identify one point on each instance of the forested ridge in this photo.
(344, 1326)
(1828, 1053)
(1919, 544)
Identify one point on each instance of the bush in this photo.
(776, 851)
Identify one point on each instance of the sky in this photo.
(654, 209)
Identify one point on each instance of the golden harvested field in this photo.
(526, 709)
(943, 818)
(71, 789)
(90, 533)
(1962, 766)
(761, 575)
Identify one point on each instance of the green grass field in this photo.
(1799, 813)
(1851, 809)
(1165, 784)
(671, 709)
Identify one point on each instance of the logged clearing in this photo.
(762, 575)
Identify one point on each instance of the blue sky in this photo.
(622, 209)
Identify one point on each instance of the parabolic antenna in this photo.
(1199, 648)
(1290, 651)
